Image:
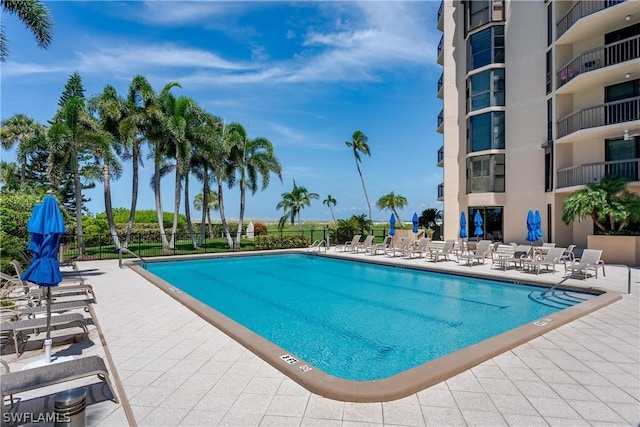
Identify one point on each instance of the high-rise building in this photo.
(539, 99)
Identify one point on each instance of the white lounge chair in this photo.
(402, 249)
(521, 254)
(590, 260)
(381, 247)
(553, 257)
(421, 249)
(350, 246)
(444, 252)
(365, 245)
(62, 289)
(483, 250)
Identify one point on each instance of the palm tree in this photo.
(211, 203)
(9, 176)
(217, 132)
(363, 222)
(34, 15)
(359, 145)
(330, 202)
(155, 125)
(203, 157)
(429, 217)
(70, 136)
(180, 112)
(139, 106)
(251, 159)
(110, 108)
(30, 137)
(391, 201)
(292, 203)
(609, 204)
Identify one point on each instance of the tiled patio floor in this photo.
(178, 369)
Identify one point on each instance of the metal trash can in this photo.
(69, 408)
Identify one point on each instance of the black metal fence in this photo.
(150, 244)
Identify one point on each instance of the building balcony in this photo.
(592, 173)
(440, 127)
(440, 17)
(441, 157)
(610, 113)
(441, 86)
(582, 20)
(624, 55)
(440, 192)
(441, 51)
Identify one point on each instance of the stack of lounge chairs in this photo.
(23, 315)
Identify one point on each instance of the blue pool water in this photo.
(354, 320)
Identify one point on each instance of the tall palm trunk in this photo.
(78, 195)
(205, 202)
(158, 200)
(176, 204)
(243, 187)
(134, 192)
(209, 222)
(225, 227)
(187, 211)
(106, 180)
(366, 196)
(400, 223)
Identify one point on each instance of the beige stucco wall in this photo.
(526, 119)
(617, 249)
(454, 166)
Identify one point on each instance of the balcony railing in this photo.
(594, 172)
(440, 191)
(440, 119)
(626, 110)
(440, 10)
(611, 54)
(580, 10)
(440, 154)
(440, 46)
(440, 82)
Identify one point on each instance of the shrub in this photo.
(285, 242)
(259, 228)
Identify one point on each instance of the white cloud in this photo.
(184, 12)
(357, 41)
(142, 57)
(17, 69)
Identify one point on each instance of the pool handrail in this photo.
(123, 249)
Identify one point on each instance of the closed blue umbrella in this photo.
(46, 227)
(463, 226)
(538, 224)
(414, 220)
(477, 221)
(392, 225)
(532, 236)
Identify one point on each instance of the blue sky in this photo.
(304, 75)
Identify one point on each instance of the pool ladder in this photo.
(317, 246)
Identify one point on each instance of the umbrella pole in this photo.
(48, 342)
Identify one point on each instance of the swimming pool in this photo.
(352, 320)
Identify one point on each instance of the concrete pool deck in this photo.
(177, 369)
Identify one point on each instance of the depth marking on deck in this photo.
(289, 359)
(543, 322)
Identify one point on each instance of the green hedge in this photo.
(284, 242)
